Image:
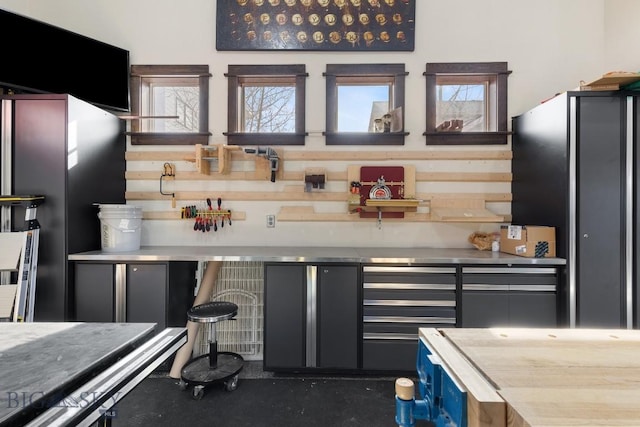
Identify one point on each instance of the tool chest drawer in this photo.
(389, 356)
(400, 295)
(396, 301)
(406, 312)
(509, 296)
(517, 278)
(409, 275)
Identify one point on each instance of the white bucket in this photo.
(120, 227)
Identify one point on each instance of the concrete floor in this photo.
(263, 399)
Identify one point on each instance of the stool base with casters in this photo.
(216, 366)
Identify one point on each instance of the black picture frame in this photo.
(316, 25)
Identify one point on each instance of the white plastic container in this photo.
(120, 227)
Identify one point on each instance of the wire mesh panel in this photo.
(239, 282)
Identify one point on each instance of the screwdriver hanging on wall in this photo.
(207, 218)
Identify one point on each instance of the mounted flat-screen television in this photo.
(41, 58)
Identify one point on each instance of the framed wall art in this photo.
(337, 25)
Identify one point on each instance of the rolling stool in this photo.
(216, 366)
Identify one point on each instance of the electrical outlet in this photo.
(271, 221)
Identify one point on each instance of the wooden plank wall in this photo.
(187, 184)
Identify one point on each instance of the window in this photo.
(467, 103)
(375, 95)
(169, 104)
(365, 104)
(266, 104)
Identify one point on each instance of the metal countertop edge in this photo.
(437, 256)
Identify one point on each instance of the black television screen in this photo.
(41, 58)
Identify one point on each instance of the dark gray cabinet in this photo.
(72, 153)
(134, 292)
(284, 316)
(509, 297)
(575, 167)
(397, 301)
(311, 317)
(94, 292)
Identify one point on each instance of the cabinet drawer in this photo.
(392, 330)
(524, 279)
(502, 296)
(408, 277)
(410, 296)
(402, 330)
(396, 314)
(390, 355)
(397, 301)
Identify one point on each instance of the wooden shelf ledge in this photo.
(457, 210)
(398, 204)
(308, 214)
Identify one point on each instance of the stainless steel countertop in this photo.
(314, 254)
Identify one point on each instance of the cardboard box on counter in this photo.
(530, 241)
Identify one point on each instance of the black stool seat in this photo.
(216, 365)
(211, 312)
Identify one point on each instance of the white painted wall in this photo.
(550, 46)
(622, 35)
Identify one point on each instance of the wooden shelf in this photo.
(308, 213)
(396, 203)
(464, 215)
(390, 205)
(456, 210)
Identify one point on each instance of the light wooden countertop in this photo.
(546, 377)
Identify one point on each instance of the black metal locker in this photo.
(72, 153)
(600, 190)
(573, 168)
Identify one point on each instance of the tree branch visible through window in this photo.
(173, 101)
(266, 104)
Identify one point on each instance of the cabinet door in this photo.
(40, 154)
(533, 310)
(485, 309)
(338, 316)
(284, 316)
(94, 292)
(601, 207)
(147, 294)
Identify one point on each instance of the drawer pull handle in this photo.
(415, 286)
(405, 319)
(408, 303)
(382, 336)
